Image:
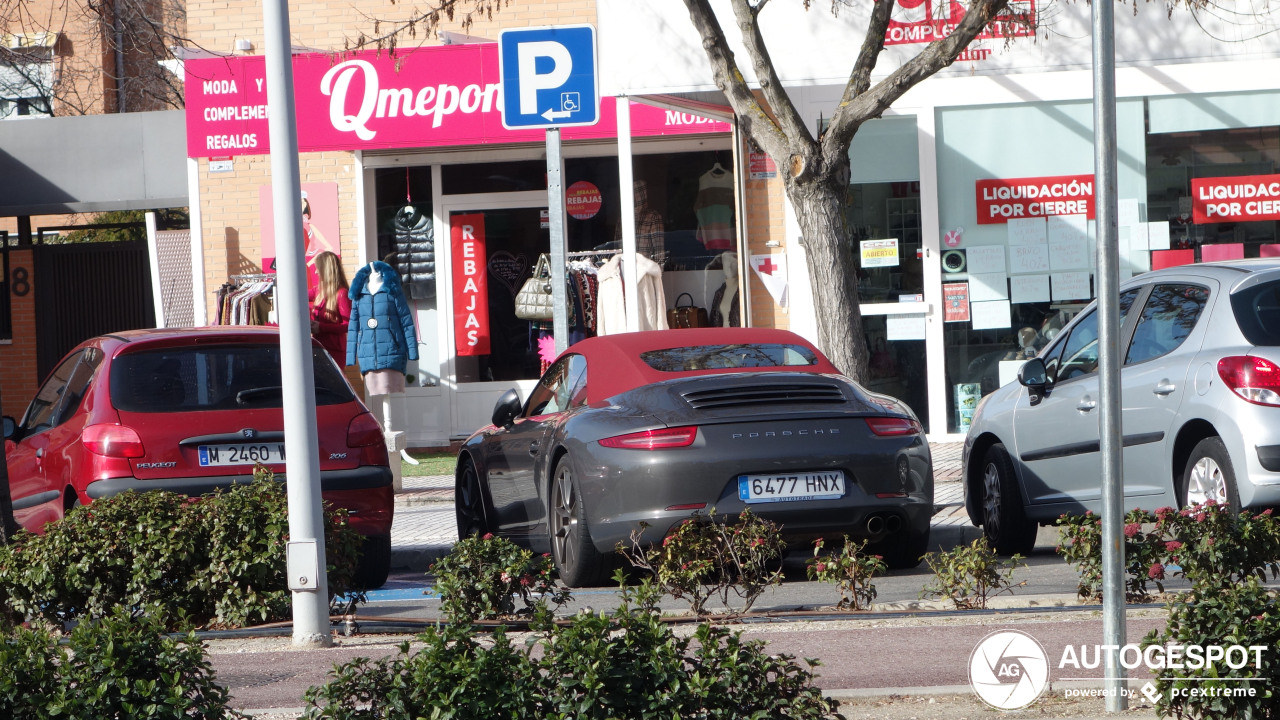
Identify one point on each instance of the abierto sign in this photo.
(1002, 200)
(429, 97)
(1248, 198)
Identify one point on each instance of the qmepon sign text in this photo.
(429, 97)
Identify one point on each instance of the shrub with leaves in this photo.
(710, 556)
(850, 568)
(1206, 544)
(1243, 613)
(118, 666)
(216, 562)
(970, 575)
(624, 664)
(482, 577)
(1080, 544)
(1212, 546)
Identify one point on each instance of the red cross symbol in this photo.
(766, 266)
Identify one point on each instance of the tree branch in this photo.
(755, 121)
(770, 84)
(856, 108)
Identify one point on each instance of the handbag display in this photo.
(533, 302)
(686, 316)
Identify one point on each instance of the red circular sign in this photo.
(582, 200)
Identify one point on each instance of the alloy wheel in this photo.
(1206, 482)
(470, 506)
(991, 501)
(564, 521)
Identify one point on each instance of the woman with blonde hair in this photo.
(331, 307)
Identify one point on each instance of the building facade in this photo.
(970, 204)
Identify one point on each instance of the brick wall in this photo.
(328, 25)
(765, 201)
(18, 379)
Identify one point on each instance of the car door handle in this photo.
(39, 452)
(1164, 387)
(533, 448)
(1086, 405)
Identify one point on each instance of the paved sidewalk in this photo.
(425, 528)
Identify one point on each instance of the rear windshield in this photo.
(1257, 310)
(719, 357)
(214, 377)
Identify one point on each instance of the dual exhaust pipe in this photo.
(883, 523)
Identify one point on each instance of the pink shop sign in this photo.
(430, 97)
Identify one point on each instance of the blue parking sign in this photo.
(549, 77)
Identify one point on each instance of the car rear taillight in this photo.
(1255, 379)
(364, 431)
(887, 426)
(662, 439)
(118, 441)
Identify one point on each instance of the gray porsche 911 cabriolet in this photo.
(654, 427)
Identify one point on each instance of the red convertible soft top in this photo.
(614, 364)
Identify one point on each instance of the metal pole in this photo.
(307, 577)
(1108, 282)
(555, 214)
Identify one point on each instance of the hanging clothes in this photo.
(714, 209)
(611, 307)
(415, 248)
(246, 300)
(381, 334)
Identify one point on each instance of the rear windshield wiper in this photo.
(244, 397)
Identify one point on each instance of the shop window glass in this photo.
(688, 212)
(512, 176)
(407, 240)
(1175, 159)
(880, 218)
(1038, 295)
(897, 366)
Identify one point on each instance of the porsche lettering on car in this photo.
(640, 431)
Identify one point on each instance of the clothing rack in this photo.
(592, 253)
(253, 276)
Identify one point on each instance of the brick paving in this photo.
(425, 528)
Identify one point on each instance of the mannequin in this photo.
(724, 306)
(381, 338)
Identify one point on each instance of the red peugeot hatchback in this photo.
(189, 411)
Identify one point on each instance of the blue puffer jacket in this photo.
(381, 334)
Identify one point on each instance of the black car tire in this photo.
(1209, 475)
(468, 502)
(577, 559)
(375, 563)
(1004, 522)
(903, 551)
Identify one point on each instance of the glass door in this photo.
(491, 246)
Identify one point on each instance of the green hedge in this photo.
(217, 562)
(116, 667)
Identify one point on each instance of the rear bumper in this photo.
(365, 492)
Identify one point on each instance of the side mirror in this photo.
(1035, 377)
(9, 427)
(1033, 373)
(507, 408)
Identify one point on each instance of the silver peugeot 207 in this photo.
(1200, 386)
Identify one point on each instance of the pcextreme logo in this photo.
(1008, 670)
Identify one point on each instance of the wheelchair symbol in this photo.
(569, 102)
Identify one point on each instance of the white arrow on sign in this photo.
(556, 114)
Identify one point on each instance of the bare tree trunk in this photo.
(8, 526)
(833, 274)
